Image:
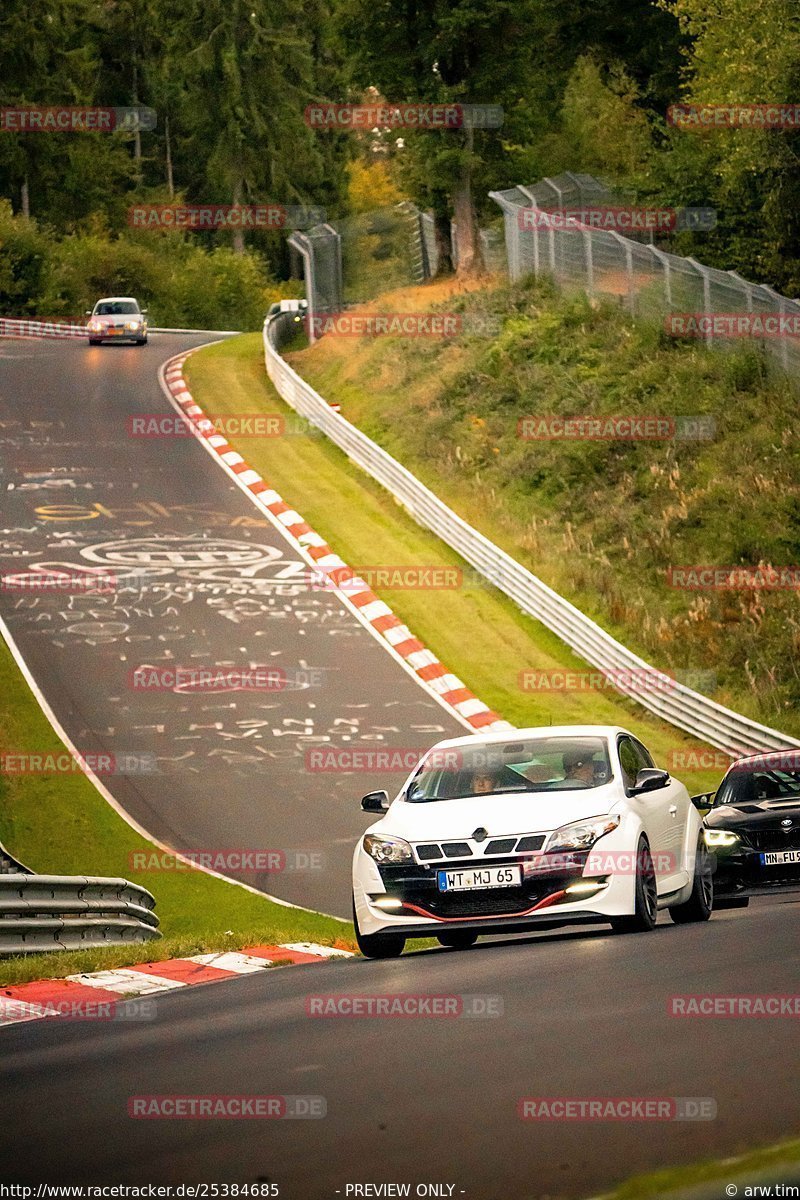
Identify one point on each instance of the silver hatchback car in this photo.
(118, 319)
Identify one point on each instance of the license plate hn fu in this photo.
(479, 877)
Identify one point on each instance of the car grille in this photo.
(431, 851)
(487, 903)
(774, 839)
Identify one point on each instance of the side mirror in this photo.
(375, 802)
(88, 312)
(144, 311)
(650, 779)
(704, 800)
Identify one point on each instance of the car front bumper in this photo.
(742, 872)
(542, 900)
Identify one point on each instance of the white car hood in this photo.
(527, 812)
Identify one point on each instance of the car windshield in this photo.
(545, 764)
(116, 308)
(751, 784)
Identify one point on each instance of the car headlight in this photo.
(581, 835)
(95, 326)
(720, 837)
(133, 324)
(387, 849)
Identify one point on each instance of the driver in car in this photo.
(483, 782)
(579, 767)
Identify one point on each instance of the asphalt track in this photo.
(202, 578)
(409, 1100)
(421, 1100)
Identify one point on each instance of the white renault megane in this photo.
(503, 832)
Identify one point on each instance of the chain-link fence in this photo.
(719, 307)
(355, 259)
(361, 256)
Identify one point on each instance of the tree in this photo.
(249, 71)
(742, 52)
(50, 55)
(516, 53)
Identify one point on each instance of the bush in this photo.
(24, 252)
(180, 282)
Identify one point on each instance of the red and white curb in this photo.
(95, 995)
(424, 664)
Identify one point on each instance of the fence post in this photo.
(337, 268)
(300, 243)
(587, 245)
(535, 231)
(709, 338)
(782, 302)
(663, 258)
(559, 196)
(628, 252)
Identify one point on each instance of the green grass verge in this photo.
(602, 522)
(61, 825)
(476, 631)
(771, 1164)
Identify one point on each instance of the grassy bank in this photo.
(62, 825)
(602, 522)
(476, 631)
(766, 1167)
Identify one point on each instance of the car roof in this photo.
(767, 757)
(517, 735)
(116, 299)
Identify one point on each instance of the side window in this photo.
(631, 759)
(645, 757)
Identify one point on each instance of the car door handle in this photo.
(673, 808)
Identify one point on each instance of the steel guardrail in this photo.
(72, 912)
(675, 703)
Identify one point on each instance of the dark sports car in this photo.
(753, 827)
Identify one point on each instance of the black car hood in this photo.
(760, 814)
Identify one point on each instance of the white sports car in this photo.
(502, 832)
